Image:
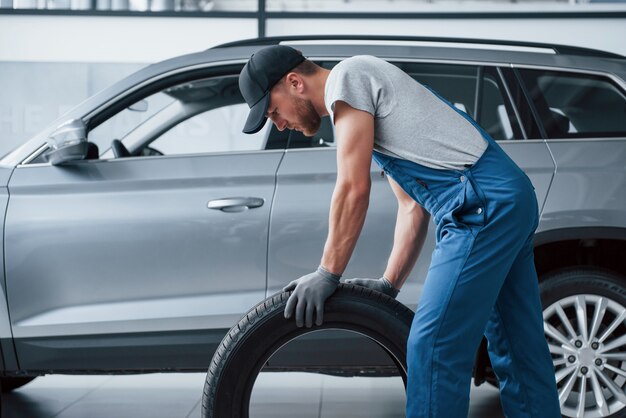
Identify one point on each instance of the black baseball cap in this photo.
(262, 71)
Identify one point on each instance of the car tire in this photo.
(10, 383)
(584, 311)
(264, 330)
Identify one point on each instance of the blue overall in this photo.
(481, 281)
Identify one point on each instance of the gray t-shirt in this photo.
(410, 121)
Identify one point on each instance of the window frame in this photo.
(136, 138)
(111, 107)
(618, 82)
(129, 96)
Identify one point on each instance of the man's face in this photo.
(287, 110)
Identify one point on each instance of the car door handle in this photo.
(236, 204)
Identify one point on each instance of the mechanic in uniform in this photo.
(440, 164)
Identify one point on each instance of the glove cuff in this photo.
(327, 274)
(388, 284)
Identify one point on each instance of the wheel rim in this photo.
(587, 339)
(386, 345)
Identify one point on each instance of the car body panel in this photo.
(533, 156)
(130, 245)
(7, 357)
(299, 226)
(6, 335)
(596, 170)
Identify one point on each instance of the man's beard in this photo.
(309, 120)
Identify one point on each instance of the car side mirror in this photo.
(67, 143)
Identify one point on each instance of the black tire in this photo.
(264, 330)
(588, 286)
(10, 383)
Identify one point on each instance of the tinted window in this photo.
(576, 105)
(495, 115)
(324, 137)
(456, 83)
(474, 90)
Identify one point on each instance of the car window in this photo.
(324, 137)
(459, 84)
(123, 122)
(456, 83)
(493, 115)
(216, 130)
(573, 105)
(199, 116)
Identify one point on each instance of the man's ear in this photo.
(294, 82)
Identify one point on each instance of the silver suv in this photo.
(142, 224)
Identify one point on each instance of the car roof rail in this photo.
(558, 49)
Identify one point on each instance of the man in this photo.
(439, 163)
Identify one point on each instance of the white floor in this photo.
(178, 395)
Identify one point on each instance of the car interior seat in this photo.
(119, 150)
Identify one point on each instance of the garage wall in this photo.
(35, 93)
(145, 39)
(113, 39)
(48, 64)
(601, 33)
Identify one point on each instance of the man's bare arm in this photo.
(355, 141)
(409, 236)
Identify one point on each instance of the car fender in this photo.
(8, 361)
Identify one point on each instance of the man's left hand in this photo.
(382, 285)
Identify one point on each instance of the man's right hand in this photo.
(311, 291)
(382, 285)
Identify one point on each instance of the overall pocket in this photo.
(470, 210)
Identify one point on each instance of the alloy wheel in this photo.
(587, 339)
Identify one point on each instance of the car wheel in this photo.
(264, 330)
(10, 383)
(585, 324)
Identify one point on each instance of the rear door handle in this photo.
(236, 204)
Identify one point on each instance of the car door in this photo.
(307, 174)
(583, 117)
(527, 146)
(142, 262)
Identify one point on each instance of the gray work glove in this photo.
(382, 285)
(311, 291)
